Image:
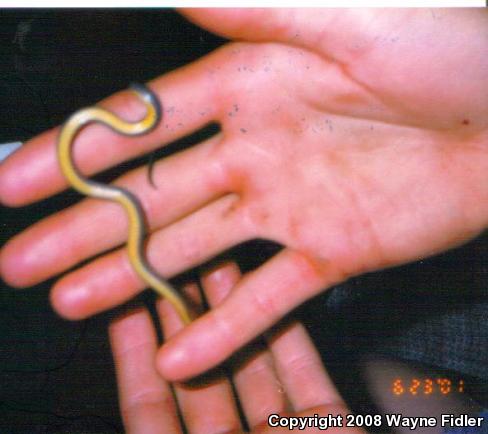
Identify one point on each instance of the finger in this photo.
(185, 244)
(74, 235)
(259, 390)
(207, 406)
(145, 399)
(219, 281)
(259, 300)
(190, 100)
(301, 370)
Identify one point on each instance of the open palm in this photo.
(356, 139)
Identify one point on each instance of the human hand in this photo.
(285, 377)
(358, 141)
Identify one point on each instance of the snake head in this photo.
(150, 100)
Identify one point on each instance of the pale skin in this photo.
(356, 139)
(285, 376)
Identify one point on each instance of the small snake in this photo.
(137, 229)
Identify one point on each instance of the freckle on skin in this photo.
(466, 122)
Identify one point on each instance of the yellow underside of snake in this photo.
(131, 205)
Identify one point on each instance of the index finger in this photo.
(189, 97)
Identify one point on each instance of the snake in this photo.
(135, 214)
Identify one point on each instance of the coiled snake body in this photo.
(137, 229)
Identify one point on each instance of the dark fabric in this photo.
(455, 340)
(483, 429)
(432, 314)
(434, 311)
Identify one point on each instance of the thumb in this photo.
(327, 30)
(249, 24)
